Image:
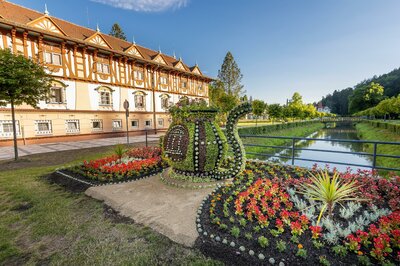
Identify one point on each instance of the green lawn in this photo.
(41, 223)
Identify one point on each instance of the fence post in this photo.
(293, 142)
(146, 139)
(374, 159)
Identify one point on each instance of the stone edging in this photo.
(103, 184)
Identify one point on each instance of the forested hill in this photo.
(339, 103)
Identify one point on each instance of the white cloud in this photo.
(145, 5)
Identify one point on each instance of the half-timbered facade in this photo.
(94, 73)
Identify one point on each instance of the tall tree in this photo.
(259, 108)
(365, 97)
(21, 81)
(275, 111)
(220, 99)
(231, 77)
(117, 32)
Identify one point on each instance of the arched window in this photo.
(105, 95)
(165, 101)
(140, 99)
(57, 93)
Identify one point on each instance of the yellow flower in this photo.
(300, 246)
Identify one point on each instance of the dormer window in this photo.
(103, 65)
(140, 100)
(105, 96)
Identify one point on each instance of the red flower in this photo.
(296, 228)
(354, 243)
(279, 225)
(316, 231)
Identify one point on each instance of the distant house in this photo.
(323, 109)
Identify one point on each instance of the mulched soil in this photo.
(59, 157)
(68, 184)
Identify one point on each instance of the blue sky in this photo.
(281, 46)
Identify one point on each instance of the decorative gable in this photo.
(47, 24)
(97, 39)
(159, 59)
(133, 51)
(180, 65)
(196, 70)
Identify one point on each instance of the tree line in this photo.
(227, 91)
(364, 95)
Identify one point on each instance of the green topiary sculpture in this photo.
(195, 145)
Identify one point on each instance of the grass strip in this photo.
(41, 223)
(366, 131)
(300, 131)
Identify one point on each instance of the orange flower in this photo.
(300, 246)
(360, 253)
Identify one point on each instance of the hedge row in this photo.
(386, 125)
(260, 130)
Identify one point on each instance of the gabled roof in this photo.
(46, 23)
(159, 59)
(98, 39)
(25, 16)
(133, 50)
(195, 69)
(179, 64)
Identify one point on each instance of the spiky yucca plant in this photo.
(329, 190)
(120, 150)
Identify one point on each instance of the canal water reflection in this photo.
(344, 132)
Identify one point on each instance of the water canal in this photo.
(340, 131)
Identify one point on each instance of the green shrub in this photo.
(263, 241)
(235, 231)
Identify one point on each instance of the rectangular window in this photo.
(97, 124)
(105, 98)
(147, 123)
(56, 95)
(43, 127)
(184, 84)
(103, 68)
(72, 126)
(164, 80)
(161, 122)
(117, 124)
(6, 128)
(52, 58)
(139, 75)
(134, 123)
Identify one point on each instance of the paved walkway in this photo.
(23, 150)
(168, 210)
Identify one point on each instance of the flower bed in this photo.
(135, 163)
(263, 217)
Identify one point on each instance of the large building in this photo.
(94, 73)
